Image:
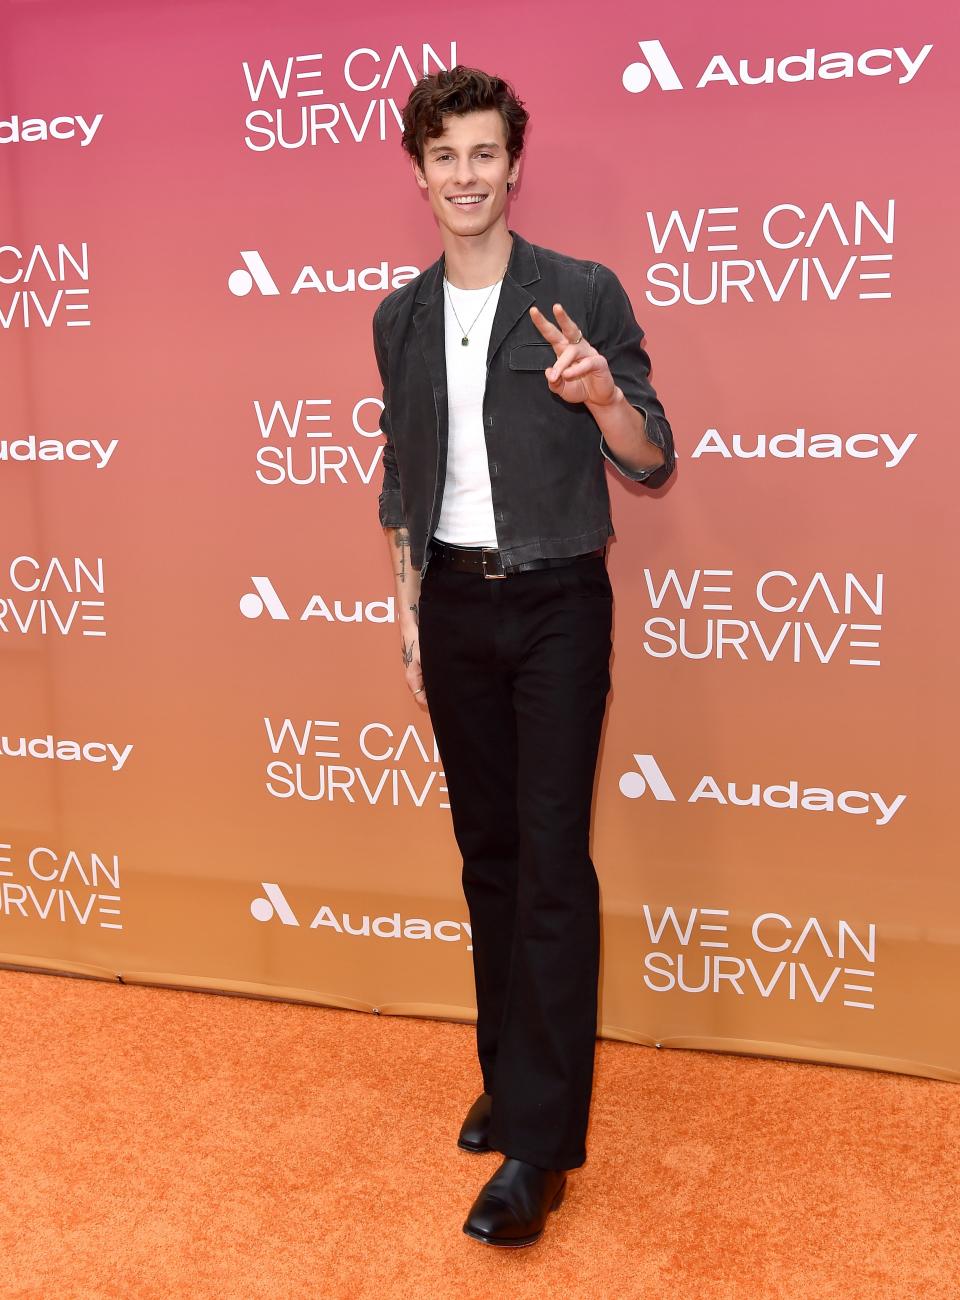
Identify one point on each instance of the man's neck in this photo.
(474, 261)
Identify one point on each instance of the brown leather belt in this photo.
(486, 560)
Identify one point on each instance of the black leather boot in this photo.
(473, 1132)
(513, 1205)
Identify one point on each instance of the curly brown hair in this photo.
(460, 90)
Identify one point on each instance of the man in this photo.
(498, 420)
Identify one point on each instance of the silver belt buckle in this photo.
(483, 560)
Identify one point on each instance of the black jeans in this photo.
(516, 672)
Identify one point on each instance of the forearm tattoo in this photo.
(406, 653)
(401, 540)
(415, 611)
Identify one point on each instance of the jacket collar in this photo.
(521, 268)
(513, 303)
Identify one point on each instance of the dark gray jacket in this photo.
(546, 460)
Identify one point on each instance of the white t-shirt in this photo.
(466, 510)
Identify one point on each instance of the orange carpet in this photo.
(170, 1144)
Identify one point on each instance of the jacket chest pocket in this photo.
(532, 356)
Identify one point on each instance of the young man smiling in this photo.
(498, 421)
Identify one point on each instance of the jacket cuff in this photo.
(654, 434)
(391, 508)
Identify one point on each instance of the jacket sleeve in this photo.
(390, 504)
(613, 330)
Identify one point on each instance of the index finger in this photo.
(547, 327)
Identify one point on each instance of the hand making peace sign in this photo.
(580, 373)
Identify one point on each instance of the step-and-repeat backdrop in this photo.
(213, 775)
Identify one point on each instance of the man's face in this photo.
(468, 163)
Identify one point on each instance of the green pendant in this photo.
(464, 341)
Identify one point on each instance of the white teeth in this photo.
(465, 201)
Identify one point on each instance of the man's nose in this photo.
(465, 172)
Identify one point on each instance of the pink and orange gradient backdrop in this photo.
(198, 820)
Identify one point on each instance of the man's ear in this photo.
(418, 173)
(514, 173)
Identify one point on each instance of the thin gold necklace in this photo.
(465, 340)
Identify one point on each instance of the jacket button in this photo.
(488, 420)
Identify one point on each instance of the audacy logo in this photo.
(273, 903)
(768, 69)
(29, 130)
(266, 599)
(254, 274)
(791, 795)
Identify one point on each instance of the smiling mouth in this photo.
(465, 200)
